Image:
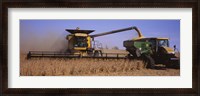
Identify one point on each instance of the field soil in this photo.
(89, 67)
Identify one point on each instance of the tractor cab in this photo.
(162, 42)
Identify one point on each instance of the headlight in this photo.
(171, 52)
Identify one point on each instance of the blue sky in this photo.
(50, 34)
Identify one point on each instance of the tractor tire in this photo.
(173, 64)
(150, 61)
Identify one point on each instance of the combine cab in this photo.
(79, 42)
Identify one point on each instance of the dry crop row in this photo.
(88, 67)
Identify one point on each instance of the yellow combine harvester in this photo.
(82, 45)
(80, 42)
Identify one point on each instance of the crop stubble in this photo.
(88, 67)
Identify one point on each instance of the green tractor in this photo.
(153, 51)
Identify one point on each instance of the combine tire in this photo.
(150, 61)
(96, 54)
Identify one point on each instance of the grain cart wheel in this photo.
(137, 52)
(150, 61)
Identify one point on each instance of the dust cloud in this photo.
(43, 42)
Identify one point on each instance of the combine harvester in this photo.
(82, 45)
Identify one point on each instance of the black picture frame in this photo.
(194, 4)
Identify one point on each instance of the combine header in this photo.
(82, 45)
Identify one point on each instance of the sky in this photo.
(48, 35)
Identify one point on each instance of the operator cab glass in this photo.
(80, 41)
(163, 43)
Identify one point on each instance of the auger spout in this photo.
(119, 30)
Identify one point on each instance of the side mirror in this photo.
(174, 47)
(67, 37)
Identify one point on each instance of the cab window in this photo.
(80, 42)
(163, 43)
